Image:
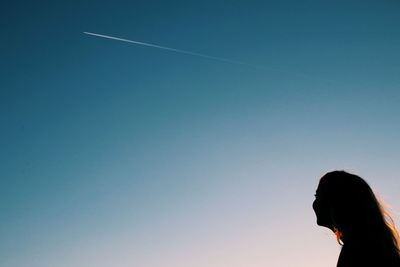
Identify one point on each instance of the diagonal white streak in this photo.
(298, 74)
(173, 49)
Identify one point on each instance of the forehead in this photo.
(318, 191)
(328, 186)
(321, 187)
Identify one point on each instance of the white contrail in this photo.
(174, 50)
(303, 75)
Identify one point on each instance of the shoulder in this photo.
(357, 254)
(366, 255)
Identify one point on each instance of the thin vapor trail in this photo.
(174, 50)
(303, 75)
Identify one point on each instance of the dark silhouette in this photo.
(346, 204)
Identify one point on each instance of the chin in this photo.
(324, 223)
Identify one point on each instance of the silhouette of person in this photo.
(346, 204)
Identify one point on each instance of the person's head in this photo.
(346, 204)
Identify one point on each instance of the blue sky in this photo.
(115, 154)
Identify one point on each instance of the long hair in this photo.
(356, 213)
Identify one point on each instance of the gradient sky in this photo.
(114, 154)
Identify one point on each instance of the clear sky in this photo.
(115, 154)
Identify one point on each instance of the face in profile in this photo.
(321, 208)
